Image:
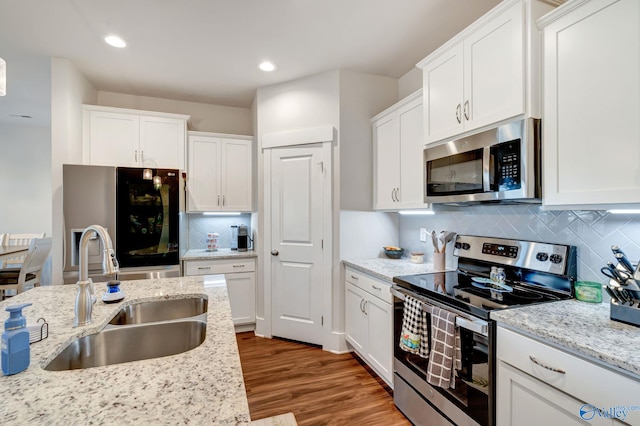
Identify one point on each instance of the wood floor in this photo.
(318, 387)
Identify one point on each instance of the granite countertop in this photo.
(201, 386)
(386, 269)
(202, 254)
(584, 329)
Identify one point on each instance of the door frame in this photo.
(318, 135)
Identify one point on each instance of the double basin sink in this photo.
(139, 331)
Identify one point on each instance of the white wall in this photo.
(69, 90)
(204, 117)
(25, 187)
(410, 82)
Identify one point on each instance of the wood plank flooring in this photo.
(318, 387)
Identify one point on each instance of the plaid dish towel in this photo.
(441, 368)
(414, 336)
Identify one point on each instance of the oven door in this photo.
(471, 401)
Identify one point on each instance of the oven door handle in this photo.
(477, 325)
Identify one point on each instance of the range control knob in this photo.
(555, 258)
(457, 245)
(465, 246)
(542, 257)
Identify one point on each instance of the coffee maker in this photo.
(243, 238)
(240, 237)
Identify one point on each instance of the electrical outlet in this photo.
(423, 235)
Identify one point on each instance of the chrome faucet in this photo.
(85, 298)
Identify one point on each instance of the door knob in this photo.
(275, 252)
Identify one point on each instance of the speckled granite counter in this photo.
(386, 269)
(201, 386)
(202, 254)
(581, 328)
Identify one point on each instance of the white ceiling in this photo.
(207, 50)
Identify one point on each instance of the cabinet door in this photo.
(203, 178)
(113, 139)
(236, 178)
(380, 335)
(494, 70)
(525, 401)
(443, 94)
(387, 162)
(242, 297)
(411, 161)
(592, 104)
(162, 142)
(355, 319)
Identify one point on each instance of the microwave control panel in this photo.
(508, 165)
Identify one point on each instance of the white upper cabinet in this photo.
(485, 75)
(130, 138)
(219, 172)
(591, 125)
(398, 146)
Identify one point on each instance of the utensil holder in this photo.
(439, 261)
(625, 313)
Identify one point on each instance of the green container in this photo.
(588, 291)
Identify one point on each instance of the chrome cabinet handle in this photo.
(398, 194)
(223, 200)
(274, 252)
(392, 199)
(142, 156)
(239, 266)
(135, 155)
(466, 109)
(204, 267)
(361, 308)
(354, 277)
(218, 200)
(365, 306)
(376, 287)
(556, 370)
(458, 114)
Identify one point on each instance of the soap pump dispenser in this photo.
(16, 354)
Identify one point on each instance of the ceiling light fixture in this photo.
(3, 77)
(115, 41)
(267, 66)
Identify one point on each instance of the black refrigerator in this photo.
(140, 208)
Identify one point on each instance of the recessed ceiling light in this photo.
(115, 41)
(267, 66)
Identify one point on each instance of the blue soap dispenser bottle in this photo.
(16, 354)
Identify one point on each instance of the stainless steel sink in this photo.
(133, 343)
(161, 310)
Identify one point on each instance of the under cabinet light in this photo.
(416, 212)
(222, 213)
(3, 77)
(624, 211)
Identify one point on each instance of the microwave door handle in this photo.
(486, 172)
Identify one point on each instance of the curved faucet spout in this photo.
(85, 297)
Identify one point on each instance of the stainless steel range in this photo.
(534, 272)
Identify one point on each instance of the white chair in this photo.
(28, 275)
(17, 240)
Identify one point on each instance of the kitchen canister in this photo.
(212, 241)
(417, 257)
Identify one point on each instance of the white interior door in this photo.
(296, 242)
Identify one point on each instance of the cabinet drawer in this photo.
(371, 285)
(221, 266)
(582, 379)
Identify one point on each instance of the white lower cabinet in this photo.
(369, 321)
(538, 384)
(240, 276)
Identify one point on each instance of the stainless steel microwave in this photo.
(501, 165)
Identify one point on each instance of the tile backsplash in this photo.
(593, 232)
(200, 225)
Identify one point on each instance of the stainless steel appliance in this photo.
(535, 273)
(243, 238)
(93, 195)
(500, 165)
